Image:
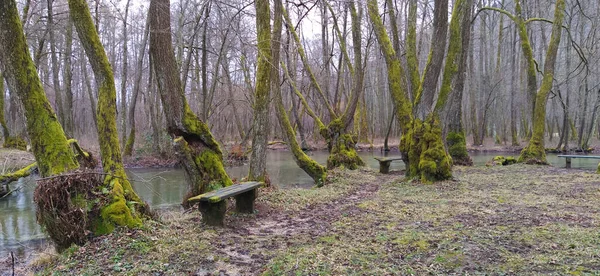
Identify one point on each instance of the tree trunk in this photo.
(317, 172)
(136, 89)
(535, 151)
(258, 158)
(67, 79)
(5, 131)
(48, 140)
(513, 88)
(205, 103)
(90, 93)
(428, 86)
(455, 140)
(341, 144)
(421, 146)
(55, 65)
(292, 60)
(199, 152)
(118, 212)
(124, 60)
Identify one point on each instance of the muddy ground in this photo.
(518, 219)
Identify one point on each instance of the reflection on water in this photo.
(166, 187)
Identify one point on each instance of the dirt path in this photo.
(257, 239)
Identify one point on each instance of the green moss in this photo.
(212, 165)
(453, 57)
(427, 157)
(14, 176)
(509, 161)
(117, 213)
(130, 142)
(344, 154)
(125, 207)
(457, 148)
(411, 51)
(15, 143)
(504, 161)
(47, 137)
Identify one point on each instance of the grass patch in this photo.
(516, 219)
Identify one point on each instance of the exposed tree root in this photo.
(5, 179)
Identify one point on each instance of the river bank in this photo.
(518, 219)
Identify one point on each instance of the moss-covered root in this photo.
(119, 211)
(14, 176)
(428, 160)
(85, 158)
(343, 153)
(204, 168)
(457, 148)
(534, 153)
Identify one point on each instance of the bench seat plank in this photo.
(579, 156)
(387, 159)
(229, 191)
(384, 163)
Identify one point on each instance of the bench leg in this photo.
(213, 213)
(244, 203)
(568, 166)
(384, 167)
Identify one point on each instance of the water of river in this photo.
(163, 188)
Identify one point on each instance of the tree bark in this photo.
(258, 158)
(535, 150)
(136, 90)
(55, 65)
(118, 212)
(198, 151)
(317, 172)
(427, 87)
(68, 79)
(460, 32)
(124, 65)
(5, 131)
(48, 140)
(421, 144)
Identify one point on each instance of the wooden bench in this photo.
(384, 163)
(213, 204)
(569, 157)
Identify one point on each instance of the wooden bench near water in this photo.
(569, 157)
(213, 204)
(384, 163)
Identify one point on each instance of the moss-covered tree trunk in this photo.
(199, 152)
(343, 152)
(125, 207)
(455, 139)
(421, 144)
(260, 125)
(317, 172)
(48, 140)
(535, 151)
(337, 133)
